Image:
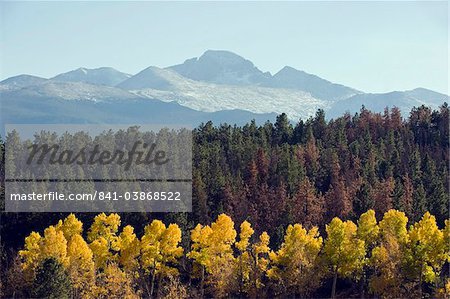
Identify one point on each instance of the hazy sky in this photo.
(371, 46)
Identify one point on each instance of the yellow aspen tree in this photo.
(30, 255)
(160, 249)
(444, 291)
(388, 257)
(368, 231)
(130, 249)
(222, 266)
(37, 249)
(252, 260)
(260, 252)
(246, 232)
(212, 250)
(427, 250)
(81, 267)
(244, 260)
(54, 245)
(343, 252)
(200, 253)
(70, 226)
(447, 238)
(104, 240)
(295, 262)
(112, 282)
(261, 249)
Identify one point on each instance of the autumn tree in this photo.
(338, 198)
(80, 264)
(130, 249)
(406, 199)
(212, 252)
(80, 267)
(104, 240)
(307, 207)
(296, 261)
(160, 251)
(260, 261)
(15, 283)
(343, 252)
(368, 231)
(53, 245)
(427, 250)
(388, 258)
(30, 255)
(113, 282)
(382, 194)
(244, 259)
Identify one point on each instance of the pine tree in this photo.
(406, 199)
(383, 193)
(419, 203)
(338, 200)
(283, 130)
(307, 207)
(51, 281)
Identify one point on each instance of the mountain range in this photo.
(219, 85)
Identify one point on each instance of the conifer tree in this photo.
(51, 281)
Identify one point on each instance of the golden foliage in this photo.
(398, 260)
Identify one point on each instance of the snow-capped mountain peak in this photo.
(100, 76)
(215, 82)
(20, 81)
(221, 67)
(289, 77)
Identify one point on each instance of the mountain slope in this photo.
(75, 102)
(218, 84)
(151, 77)
(320, 88)
(376, 102)
(221, 67)
(18, 82)
(168, 85)
(100, 76)
(72, 91)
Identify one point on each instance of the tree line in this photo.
(276, 174)
(377, 258)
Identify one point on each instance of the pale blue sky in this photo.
(371, 46)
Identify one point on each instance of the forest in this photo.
(351, 207)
